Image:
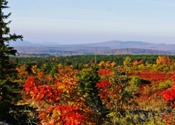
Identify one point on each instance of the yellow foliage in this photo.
(163, 60)
(22, 71)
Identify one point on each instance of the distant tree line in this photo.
(78, 61)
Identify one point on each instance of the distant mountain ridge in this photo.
(115, 44)
(108, 47)
(20, 43)
(134, 44)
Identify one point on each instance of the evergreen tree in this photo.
(87, 82)
(10, 91)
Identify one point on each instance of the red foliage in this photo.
(141, 61)
(30, 87)
(104, 87)
(135, 62)
(154, 76)
(57, 100)
(173, 78)
(169, 94)
(108, 92)
(70, 115)
(169, 118)
(104, 93)
(103, 84)
(104, 72)
(62, 114)
(41, 92)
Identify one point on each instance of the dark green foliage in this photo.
(5, 37)
(78, 61)
(10, 91)
(53, 71)
(87, 82)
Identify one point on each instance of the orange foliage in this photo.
(108, 92)
(47, 93)
(163, 60)
(22, 71)
(154, 76)
(63, 103)
(135, 62)
(62, 114)
(58, 102)
(104, 72)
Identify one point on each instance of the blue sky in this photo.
(89, 21)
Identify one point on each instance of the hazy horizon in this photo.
(93, 21)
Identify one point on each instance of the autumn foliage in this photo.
(48, 93)
(169, 94)
(101, 94)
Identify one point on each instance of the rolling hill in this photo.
(109, 47)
